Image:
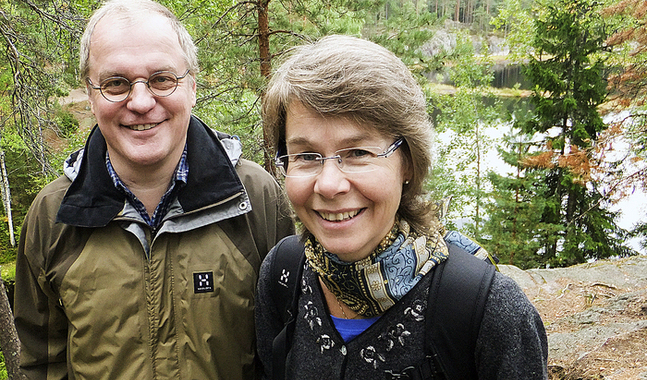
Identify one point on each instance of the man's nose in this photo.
(141, 99)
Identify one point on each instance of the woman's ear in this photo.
(407, 169)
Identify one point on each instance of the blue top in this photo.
(350, 328)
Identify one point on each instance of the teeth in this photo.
(338, 217)
(141, 127)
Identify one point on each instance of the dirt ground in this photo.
(77, 103)
(595, 317)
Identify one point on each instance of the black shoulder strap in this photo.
(457, 297)
(286, 274)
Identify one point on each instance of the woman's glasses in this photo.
(349, 160)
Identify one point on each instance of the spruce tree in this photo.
(568, 73)
(512, 228)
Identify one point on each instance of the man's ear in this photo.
(90, 99)
(194, 95)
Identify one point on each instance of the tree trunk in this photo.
(9, 343)
(266, 71)
(264, 38)
(477, 215)
(6, 197)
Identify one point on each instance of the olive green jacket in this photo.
(98, 297)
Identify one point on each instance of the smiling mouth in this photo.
(141, 127)
(338, 217)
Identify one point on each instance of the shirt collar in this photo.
(179, 180)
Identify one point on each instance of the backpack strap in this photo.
(286, 271)
(457, 297)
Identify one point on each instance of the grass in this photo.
(8, 272)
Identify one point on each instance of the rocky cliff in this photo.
(595, 316)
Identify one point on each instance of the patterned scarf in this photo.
(372, 285)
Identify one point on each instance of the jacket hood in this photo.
(93, 201)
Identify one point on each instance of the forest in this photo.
(571, 142)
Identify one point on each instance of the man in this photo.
(141, 262)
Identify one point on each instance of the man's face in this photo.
(144, 132)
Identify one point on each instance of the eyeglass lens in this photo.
(159, 84)
(352, 160)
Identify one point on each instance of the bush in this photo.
(7, 252)
(67, 123)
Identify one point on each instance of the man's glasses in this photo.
(349, 160)
(117, 89)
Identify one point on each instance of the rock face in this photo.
(595, 316)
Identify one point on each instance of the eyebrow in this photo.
(112, 74)
(303, 141)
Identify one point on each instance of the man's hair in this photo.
(130, 11)
(344, 76)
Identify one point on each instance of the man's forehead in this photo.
(151, 45)
(118, 23)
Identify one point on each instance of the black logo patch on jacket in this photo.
(203, 282)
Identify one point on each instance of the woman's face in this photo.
(349, 214)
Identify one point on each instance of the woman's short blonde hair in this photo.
(349, 77)
(131, 11)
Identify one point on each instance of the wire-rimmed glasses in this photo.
(349, 160)
(117, 89)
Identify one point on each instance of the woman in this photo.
(363, 214)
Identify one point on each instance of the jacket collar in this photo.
(93, 201)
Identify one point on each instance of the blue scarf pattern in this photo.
(372, 285)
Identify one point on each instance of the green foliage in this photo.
(7, 252)
(230, 120)
(8, 272)
(514, 21)
(512, 228)
(40, 60)
(462, 119)
(3, 369)
(572, 37)
(567, 69)
(403, 29)
(67, 123)
(23, 172)
(629, 42)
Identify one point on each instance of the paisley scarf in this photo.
(372, 285)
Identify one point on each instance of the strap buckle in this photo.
(409, 373)
(426, 370)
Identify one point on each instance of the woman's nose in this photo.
(331, 181)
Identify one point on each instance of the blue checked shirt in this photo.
(180, 179)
